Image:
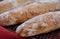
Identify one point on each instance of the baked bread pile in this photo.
(39, 16)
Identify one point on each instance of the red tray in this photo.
(51, 35)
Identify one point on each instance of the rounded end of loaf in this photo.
(41, 24)
(18, 31)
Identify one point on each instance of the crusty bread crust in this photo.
(6, 5)
(40, 24)
(21, 14)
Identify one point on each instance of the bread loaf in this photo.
(40, 24)
(6, 5)
(22, 14)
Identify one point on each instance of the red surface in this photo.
(5, 34)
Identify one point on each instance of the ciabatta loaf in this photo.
(40, 24)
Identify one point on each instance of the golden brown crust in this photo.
(6, 7)
(40, 24)
(25, 2)
(22, 14)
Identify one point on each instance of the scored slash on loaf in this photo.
(22, 14)
(40, 24)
